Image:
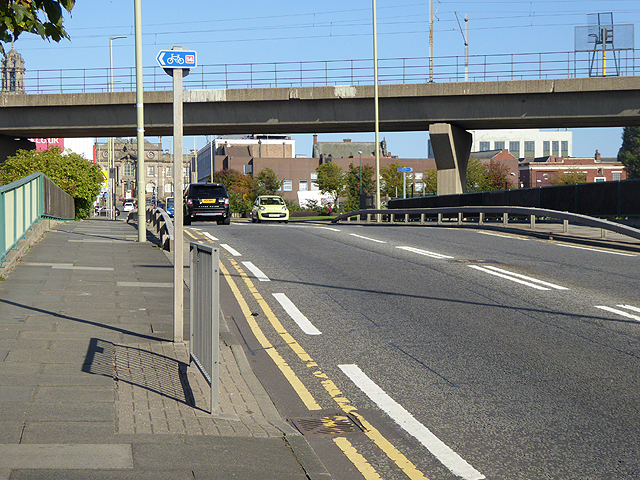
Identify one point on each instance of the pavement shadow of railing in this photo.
(160, 374)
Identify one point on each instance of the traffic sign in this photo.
(176, 59)
(405, 170)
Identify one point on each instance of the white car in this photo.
(128, 206)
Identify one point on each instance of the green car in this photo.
(269, 207)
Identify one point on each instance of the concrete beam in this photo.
(451, 148)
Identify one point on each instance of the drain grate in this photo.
(337, 424)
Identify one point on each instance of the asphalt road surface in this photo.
(457, 353)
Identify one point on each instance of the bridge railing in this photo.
(480, 215)
(525, 66)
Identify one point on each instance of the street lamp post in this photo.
(110, 146)
(360, 154)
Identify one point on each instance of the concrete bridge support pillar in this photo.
(9, 146)
(451, 148)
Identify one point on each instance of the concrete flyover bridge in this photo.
(446, 110)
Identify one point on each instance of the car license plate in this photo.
(208, 200)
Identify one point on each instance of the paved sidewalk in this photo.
(92, 387)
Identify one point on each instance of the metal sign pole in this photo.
(178, 260)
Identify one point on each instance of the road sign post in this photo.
(404, 171)
(177, 62)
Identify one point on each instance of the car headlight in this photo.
(262, 208)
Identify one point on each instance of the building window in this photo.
(600, 179)
(565, 148)
(287, 185)
(555, 147)
(248, 169)
(168, 172)
(128, 169)
(168, 188)
(314, 176)
(485, 146)
(514, 148)
(303, 186)
(151, 171)
(546, 148)
(498, 145)
(616, 176)
(529, 149)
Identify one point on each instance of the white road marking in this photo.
(546, 284)
(231, 250)
(209, 236)
(450, 459)
(367, 238)
(303, 322)
(424, 252)
(66, 266)
(504, 236)
(596, 250)
(620, 312)
(508, 277)
(256, 271)
(629, 307)
(329, 228)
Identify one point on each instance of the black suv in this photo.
(207, 200)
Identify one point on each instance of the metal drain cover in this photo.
(336, 424)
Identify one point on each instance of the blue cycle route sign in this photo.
(405, 169)
(176, 59)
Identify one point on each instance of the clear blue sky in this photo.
(249, 31)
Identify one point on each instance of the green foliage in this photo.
(391, 184)
(477, 180)
(498, 176)
(431, 181)
(268, 183)
(242, 189)
(353, 185)
(629, 153)
(568, 178)
(75, 175)
(42, 17)
(331, 181)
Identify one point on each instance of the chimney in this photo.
(346, 140)
(315, 139)
(597, 156)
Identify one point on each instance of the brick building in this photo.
(538, 172)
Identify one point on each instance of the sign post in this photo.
(177, 62)
(404, 171)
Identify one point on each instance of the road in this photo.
(461, 353)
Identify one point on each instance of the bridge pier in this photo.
(9, 146)
(451, 148)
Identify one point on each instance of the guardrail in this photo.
(21, 205)
(482, 68)
(443, 216)
(204, 321)
(161, 222)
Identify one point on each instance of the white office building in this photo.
(525, 143)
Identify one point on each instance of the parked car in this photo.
(170, 206)
(104, 211)
(206, 201)
(128, 206)
(271, 208)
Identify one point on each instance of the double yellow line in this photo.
(344, 404)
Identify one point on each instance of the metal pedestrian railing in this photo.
(204, 316)
(21, 205)
(404, 70)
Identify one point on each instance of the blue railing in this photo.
(21, 205)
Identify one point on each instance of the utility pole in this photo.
(430, 41)
(142, 217)
(465, 37)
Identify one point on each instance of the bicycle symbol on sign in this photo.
(175, 58)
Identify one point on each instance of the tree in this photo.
(331, 181)
(498, 176)
(75, 175)
(477, 180)
(431, 181)
(268, 183)
(392, 180)
(42, 17)
(629, 153)
(242, 189)
(353, 185)
(568, 178)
